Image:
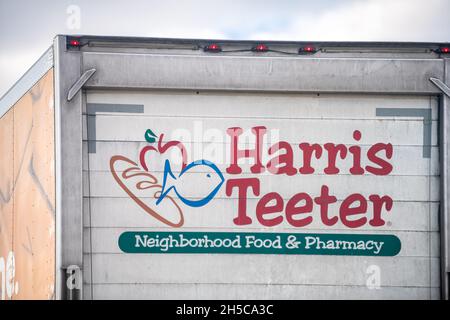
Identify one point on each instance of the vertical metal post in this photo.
(444, 226)
(68, 156)
(444, 208)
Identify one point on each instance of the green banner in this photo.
(260, 243)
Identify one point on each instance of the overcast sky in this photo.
(28, 26)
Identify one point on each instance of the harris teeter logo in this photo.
(133, 177)
(165, 195)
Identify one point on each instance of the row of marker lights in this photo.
(217, 48)
(307, 49)
(214, 47)
(258, 48)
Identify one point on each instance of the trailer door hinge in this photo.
(80, 83)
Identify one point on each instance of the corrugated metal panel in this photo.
(152, 71)
(413, 185)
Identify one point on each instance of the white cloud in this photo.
(370, 20)
(318, 20)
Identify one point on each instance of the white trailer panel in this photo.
(200, 119)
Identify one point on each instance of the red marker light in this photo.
(74, 43)
(213, 47)
(445, 50)
(260, 48)
(307, 49)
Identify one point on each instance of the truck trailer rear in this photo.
(147, 168)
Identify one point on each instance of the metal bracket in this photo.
(441, 85)
(80, 83)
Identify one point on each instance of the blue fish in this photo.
(210, 175)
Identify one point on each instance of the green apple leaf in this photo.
(150, 136)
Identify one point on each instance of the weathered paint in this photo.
(27, 187)
(413, 184)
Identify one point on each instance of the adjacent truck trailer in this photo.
(151, 168)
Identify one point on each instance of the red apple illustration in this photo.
(161, 148)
